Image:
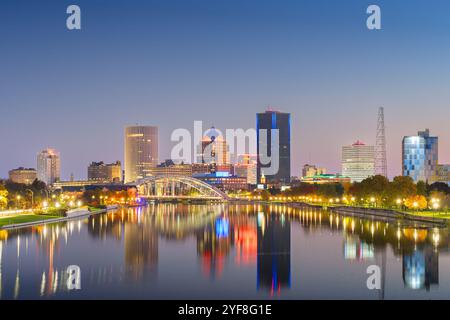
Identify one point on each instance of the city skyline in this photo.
(159, 160)
(161, 66)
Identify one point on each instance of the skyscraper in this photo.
(358, 161)
(213, 149)
(141, 151)
(267, 122)
(48, 166)
(420, 157)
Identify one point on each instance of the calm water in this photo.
(224, 251)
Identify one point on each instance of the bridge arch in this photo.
(178, 187)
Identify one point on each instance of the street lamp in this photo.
(399, 202)
(18, 197)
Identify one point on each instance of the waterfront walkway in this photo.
(70, 216)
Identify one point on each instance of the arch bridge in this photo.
(178, 187)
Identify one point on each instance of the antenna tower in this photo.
(380, 148)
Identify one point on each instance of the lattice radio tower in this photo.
(380, 148)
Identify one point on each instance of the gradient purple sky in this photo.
(168, 63)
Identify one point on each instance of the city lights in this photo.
(312, 197)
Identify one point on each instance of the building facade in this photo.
(141, 151)
(224, 181)
(267, 125)
(311, 170)
(23, 175)
(246, 167)
(358, 161)
(169, 169)
(48, 166)
(443, 173)
(106, 172)
(325, 178)
(420, 157)
(213, 149)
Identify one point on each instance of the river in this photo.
(224, 251)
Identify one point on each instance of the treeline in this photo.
(379, 191)
(20, 195)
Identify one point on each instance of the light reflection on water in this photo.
(224, 251)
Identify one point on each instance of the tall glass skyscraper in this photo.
(420, 157)
(141, 151)
(274, 120)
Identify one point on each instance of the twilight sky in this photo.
(170, 62)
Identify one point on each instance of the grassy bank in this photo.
(23, 218)
(424, 213)
(430, 214)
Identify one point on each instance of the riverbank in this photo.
(24, 218)
(379, 212)
(385, 214)
(24, 221)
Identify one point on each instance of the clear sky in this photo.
(170, 62)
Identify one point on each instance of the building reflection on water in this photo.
(249, 236)
(274, 252)
(421, 268)
(214, 245)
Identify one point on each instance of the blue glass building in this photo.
(281, 121)
(420, 157)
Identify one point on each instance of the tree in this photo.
(417, 202)
(401, 188)
(422, 188)
(375, 186)
(440, 187)
(3, 197)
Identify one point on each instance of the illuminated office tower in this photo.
(213, 149)
(358, 161)
(141, 151)
(271, 121)
(48, 166)
(420, 157)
